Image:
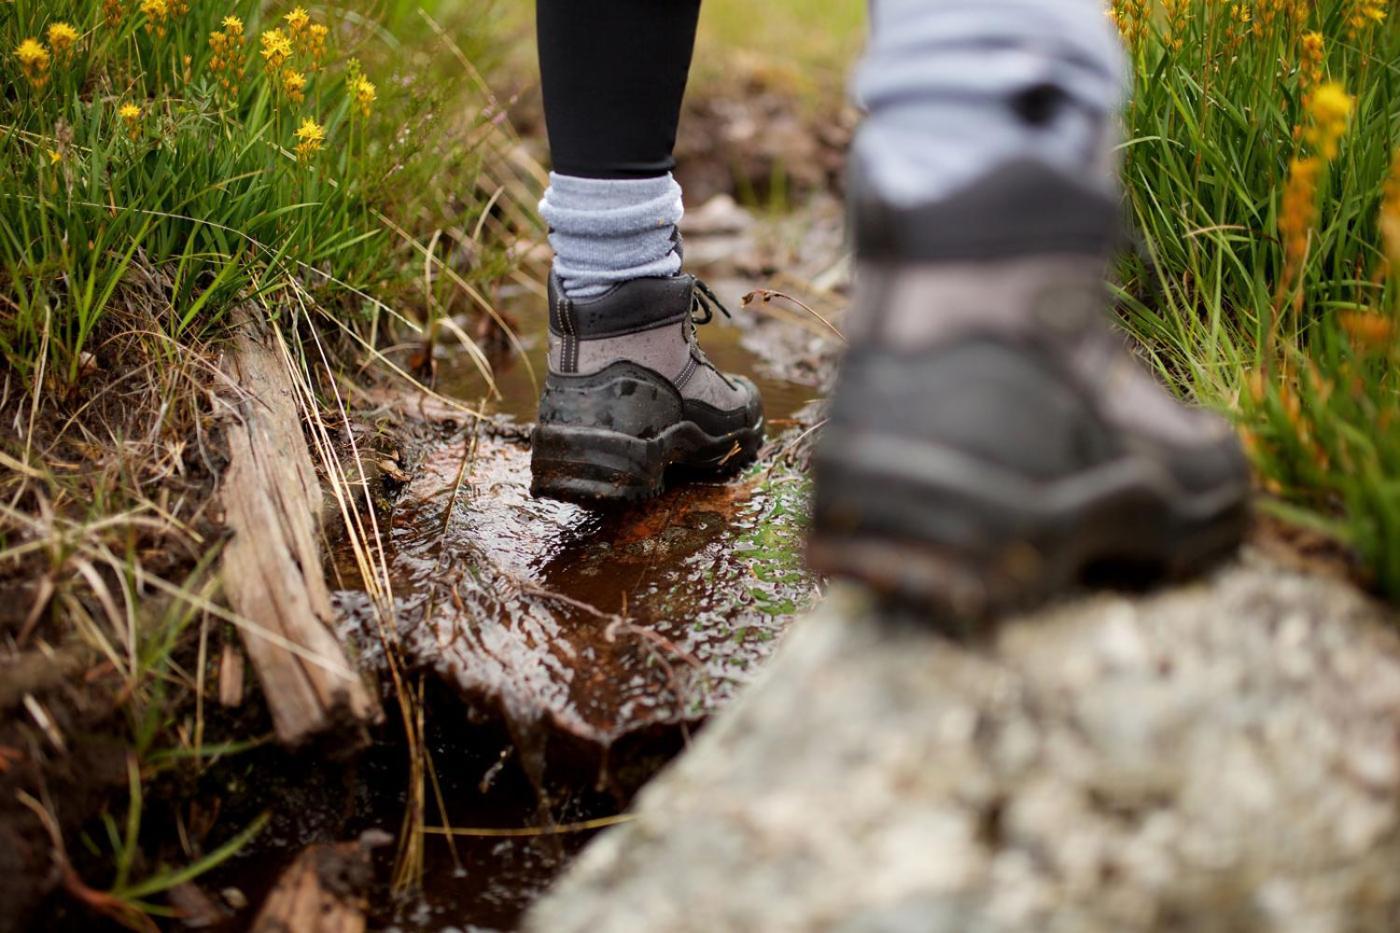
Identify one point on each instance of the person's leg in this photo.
(613, 73)
(629, 392)
(990, 437)
(955, 87)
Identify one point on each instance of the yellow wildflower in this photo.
(1330, 107)
(1390, 214)
(364, 93)
(313, 43)
(297, 20)
(55, 156)
(1177, 12)
(1131, 17)
(227, 63)
(276, 49)
(1364, 13)
(156, 12)
(62, 39)
(1311, 54)
(131, 115)
(294, 85)
(1298, 213)
(34, 61)
(309, 136)
(112, 11)
(1368, 330)
(1240, 23)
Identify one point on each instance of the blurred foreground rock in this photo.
(1218, 757)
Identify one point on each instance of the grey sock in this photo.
(605, 231)
(957, 87)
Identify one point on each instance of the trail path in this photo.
(1224, 757)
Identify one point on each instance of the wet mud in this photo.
(590, 626)
(583, 628)
(568, 652)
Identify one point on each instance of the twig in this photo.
(526, 832)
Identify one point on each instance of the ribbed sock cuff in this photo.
(606, 231)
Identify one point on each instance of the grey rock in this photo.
(1222, 757)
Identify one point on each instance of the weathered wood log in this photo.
(322, 892)
(272, 567)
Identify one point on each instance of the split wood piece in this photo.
(322, 892)
(272, 567)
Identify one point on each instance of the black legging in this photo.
(613, 73)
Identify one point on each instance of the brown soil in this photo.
(134, 434)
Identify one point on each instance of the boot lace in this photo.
(704, 304)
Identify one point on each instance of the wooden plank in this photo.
(272, 569)
(322, 892)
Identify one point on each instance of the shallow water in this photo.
(594, 640)
(590, 624)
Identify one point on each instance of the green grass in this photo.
(1214, 125)
(204, 187)
(141, 199)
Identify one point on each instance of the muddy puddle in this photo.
(581, 626)
(585, 626)
(593, 641)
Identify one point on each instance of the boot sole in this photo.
(934, 528)
(595, 465)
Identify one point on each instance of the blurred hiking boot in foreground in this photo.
(991, 438)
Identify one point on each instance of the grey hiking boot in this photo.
(991, 438)
(630, 393)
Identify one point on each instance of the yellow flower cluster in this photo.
(309, 38)
(294, 85)
(315, 44)
(1312, 52)
(364, 93)
(1239, 23)
(276, 49)
(310, 135)
(34, 61)
(1364, 13)
(156, 13)
(301, 38)
(1329, 111)
(1390, 214)
(1176, 12)
(298, 20)
(1298, 213)
(131, 115)
(1330, 108)
(1132, 18)
(228, 63)
(63, 40)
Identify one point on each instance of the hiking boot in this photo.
(991, 438)
(630, 393)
